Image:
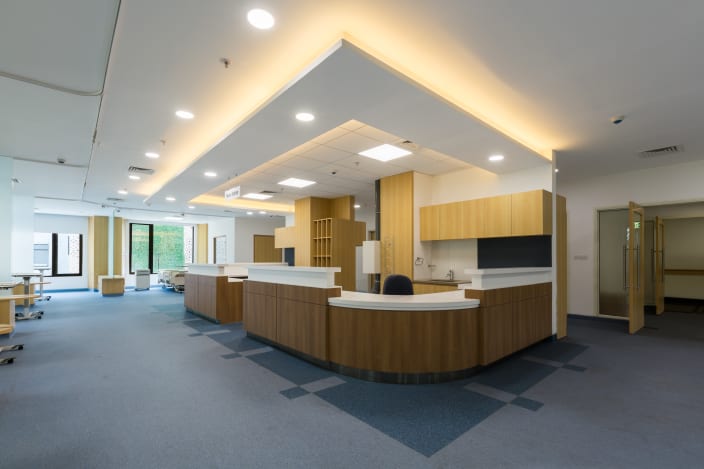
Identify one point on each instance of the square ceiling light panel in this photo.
(385, 152)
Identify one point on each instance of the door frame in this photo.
(659, 265)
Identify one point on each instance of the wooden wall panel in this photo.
(561, 265)
(285, 237)
(202, 240)
(496, 325)
(259, 316)
(396, 225)
(190, 291)
(403, 341)
(118, 230)
(342, 208)
(265, 250)
(97, 249)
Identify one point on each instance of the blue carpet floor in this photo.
(136, 381)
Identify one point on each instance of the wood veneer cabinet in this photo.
(423, 288)
(214, 297)
(334, 241)
(520, 214)
(512, 318)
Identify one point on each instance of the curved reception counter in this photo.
(425, 338)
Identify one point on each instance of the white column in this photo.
(6, 170)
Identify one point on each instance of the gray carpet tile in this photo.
(289, 367)
(235, 341)
(423, 417)
(295, 392)
(526, 403)
(513, 375)
(559, 351)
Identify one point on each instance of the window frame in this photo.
(55, 255)
(151, 245)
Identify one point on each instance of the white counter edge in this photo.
(443, 301)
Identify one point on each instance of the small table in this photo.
(26, 314)
(41, 284)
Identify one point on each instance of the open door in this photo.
(635, 262)
(659, 266)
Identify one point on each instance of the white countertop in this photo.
(429, 302)
(318, 277)
(240, 269)
(486, 279)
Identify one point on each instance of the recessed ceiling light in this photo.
(134, 177)
(357, 206)
(295, 182)
(262, 212)
(250, 213)
(257, 196)
(192, 207)
(210, 174)
(305, 116)
(557, 170)
(496, 157)
(151, 154)
(170, 199)
(184, 114)
(385, 152)
(122, 192)
(260, 19)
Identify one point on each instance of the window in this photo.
(62, 253)
(155, 247)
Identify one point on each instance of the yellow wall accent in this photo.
(117, 245)
(202, 240)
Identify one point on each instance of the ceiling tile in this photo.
(377, 134)
(353, 143)
(325, 154)
(330, 135)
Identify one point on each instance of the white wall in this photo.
(65, 224)
(475, 183)
(220, 227)
(666, 185)
(6, 170)
(245, 229)
(22, 234)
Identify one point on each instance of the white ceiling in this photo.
(462, 79)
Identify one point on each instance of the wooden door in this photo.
(659, 266)
(636, 267)
(264, 250)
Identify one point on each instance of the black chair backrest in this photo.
(397, 285)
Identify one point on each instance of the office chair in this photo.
(397, 285)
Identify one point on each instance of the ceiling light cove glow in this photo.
(170, 199)
(385, 152)
(357, 206)
(260, 19)
(257, 196)
(210, 174)
(134, 177)
(295, 182)
(151, 154)
(496, 157)
(122, 192)
(305, 116)
(184, 114)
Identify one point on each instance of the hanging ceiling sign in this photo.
(233, 193)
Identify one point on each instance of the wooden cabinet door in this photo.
(429, 229)
(531, 213)
(450, 220)
(471, 218)
(495, 216)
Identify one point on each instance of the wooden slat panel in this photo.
(117, 246)
(403, 341)
(202, 240)
(342, 208)
(259, 315)
(190, 291)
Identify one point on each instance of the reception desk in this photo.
(392, 338)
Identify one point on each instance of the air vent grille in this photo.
(268, 192)
(138, 170)
(408, 145)
(664, 151)
(114, 199)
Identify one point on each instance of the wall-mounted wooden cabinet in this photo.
(521, 214)
(334, 241)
